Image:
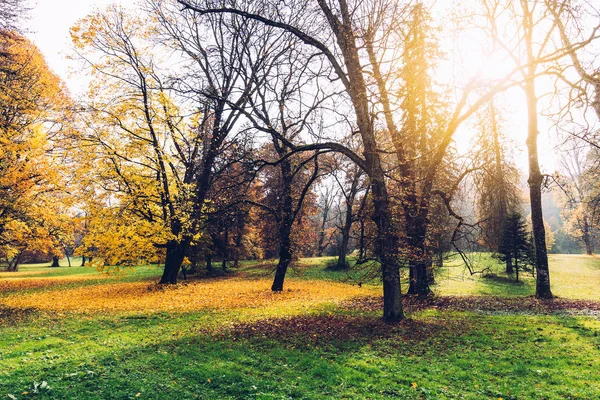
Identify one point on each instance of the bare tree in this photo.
(576, 195)
(12, 12)
(342, 53)
(566, 12)
(351, 181)
(327, 197)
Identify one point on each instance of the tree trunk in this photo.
(321, 240)
(208, 259)
(386, 249)
(82, 261)
(285, 259)
(194, 265)
(430, 271)
(175, 255)
(239, 236)
(589, 248)
(509, 266)
(13, 265)
(343, 249)
(587, 239)
(55, 262)
(286, 220)
(535, 181)
(416, 228)
(68, 259)
(225, 250)
(285, 256)
(439, 259)
(361, 220)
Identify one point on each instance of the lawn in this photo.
(92, 336)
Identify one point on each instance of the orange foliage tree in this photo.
(33, 206)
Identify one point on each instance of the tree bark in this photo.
(285, 253)
(587, 239)
(386, 249)
(13, 265)
(239, 235)
(542, 289)
(82, 261)
(416, 230)
(208, 260)
(430, 271)
(55, 262)
(343, 249)
(321, 240)
(286, 221)
(175, 255)
(439, 259)
(225, 250)
(509, 266)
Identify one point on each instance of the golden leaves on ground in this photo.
(219, 294)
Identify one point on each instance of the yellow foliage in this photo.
(218, 294)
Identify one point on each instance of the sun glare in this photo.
(476, 61)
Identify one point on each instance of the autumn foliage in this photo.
(33, 206)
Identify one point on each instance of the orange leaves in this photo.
(218, 294)
(30, 200)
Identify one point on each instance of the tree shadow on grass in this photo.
(11, 316)
(340, 330)
(499, 285)
(291, 356)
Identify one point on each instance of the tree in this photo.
(496, 181)
(531, 54)
(141, 143)
(159, 136)
(287, 186)
(575, 194)
(348, 69)
(31, 184)
(359, 43)
(575, 41)
(327, 197)
(515, 243)
(355, 183)
(12, 12)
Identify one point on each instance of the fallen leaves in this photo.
(220, 294)
(315, 330)
(12, 315)
(482, 303)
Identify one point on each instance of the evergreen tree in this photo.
(515, 244)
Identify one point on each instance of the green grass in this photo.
(573, 276)
(200, 355)
(45, 271)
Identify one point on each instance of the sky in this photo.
(48, 27)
